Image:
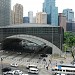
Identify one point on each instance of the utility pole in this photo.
(52, 40)
(1, 65)
(60, 39)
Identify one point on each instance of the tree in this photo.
(69, 41)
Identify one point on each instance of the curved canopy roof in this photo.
(29, 38)
(37, 40)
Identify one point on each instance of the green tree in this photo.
(69, 41)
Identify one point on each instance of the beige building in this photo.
(18, 14)
(41, 17)
(12, 17)
(62, 21)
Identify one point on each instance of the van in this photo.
(31, 66)
(33, 70)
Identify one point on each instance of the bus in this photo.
(66, 69)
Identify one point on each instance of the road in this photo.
(25, 59)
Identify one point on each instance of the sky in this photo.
(37, 5)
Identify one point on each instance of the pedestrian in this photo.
(44, 66)
(47, 67)
(56, 63)
(46, 63)
(50, 61)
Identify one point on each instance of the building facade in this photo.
(62, 21)
(39, 34)
(69, 14)
(25, 19)
(5, 12)
(30, 15)
(52, 12)
(41, 17)
(12, 17)
(70, 27)
(18, 14)
(34, 19)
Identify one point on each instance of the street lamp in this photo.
(1, 65)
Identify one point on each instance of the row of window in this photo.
(63, 70)
(35, 30)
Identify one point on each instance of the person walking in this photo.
(47, 67)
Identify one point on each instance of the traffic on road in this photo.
(30, 64)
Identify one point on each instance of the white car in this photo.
(9, 73)
(15, 72)
(33, 70)
(14, 65)
(18, 71)
(31, 66)
(24, 74)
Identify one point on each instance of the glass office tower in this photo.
(5, 7)
(52, 12)
(69, 13)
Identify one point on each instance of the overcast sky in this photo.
(36, 5)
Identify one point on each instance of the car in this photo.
(61, 62)
(25, 74)
(33, 70)
(19, 53)
(31, 66)
(14, 72)
(60, 74)
(18, 72)
(9, 73)
(6, 52)
(43, 55)
(14, 65)
(6, 69)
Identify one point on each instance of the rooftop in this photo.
(28, 25)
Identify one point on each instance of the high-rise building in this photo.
(52, 12)
(34, 19)
(41, 17)
(12, 17)
(18, 13)
(69, 14)
(5, 15)
(25, 19)
(62, 21)
(30, 15)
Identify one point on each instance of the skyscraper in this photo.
(12, 17)
(5, 9)
(52, 12)
(18, 14)
(62, 21)
(69, 14)
(30, 15)
(25, 19)
(41, 17)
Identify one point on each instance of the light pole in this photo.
(1, 65)
(52, 42)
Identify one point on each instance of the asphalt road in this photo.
(24, 59)
(25, 71)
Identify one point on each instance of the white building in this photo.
(41, 17)
(30, 15)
